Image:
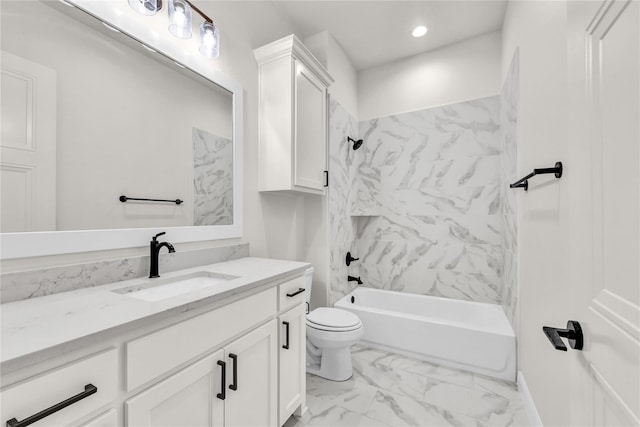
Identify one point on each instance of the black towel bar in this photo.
(524, 183)
(125, 198)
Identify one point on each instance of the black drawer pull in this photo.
(89, 389)
(286, 326)
(223, 390)
(234, 357)
(299, 291)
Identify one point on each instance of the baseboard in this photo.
(527, 400)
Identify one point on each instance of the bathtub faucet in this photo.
(354, 279)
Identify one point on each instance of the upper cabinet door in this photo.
(310, 130)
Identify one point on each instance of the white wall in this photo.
(538, 28)
(458, 72)
(329, 52)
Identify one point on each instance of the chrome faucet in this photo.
(154, 252)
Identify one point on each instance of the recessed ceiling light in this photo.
(419, 31)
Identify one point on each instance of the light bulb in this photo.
(179, 19)
(419, 31)
(209, 40)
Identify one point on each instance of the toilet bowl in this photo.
(330, 334)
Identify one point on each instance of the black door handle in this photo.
(573, 333)
(89, 389)
(223, 391)
(286, 326)
(234, 357)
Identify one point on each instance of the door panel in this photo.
(187, 398)
(310, 130)
(27, 145)
(254, 402)
(604, 132)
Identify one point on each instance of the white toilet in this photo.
(330, 334)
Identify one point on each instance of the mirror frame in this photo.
(152, 33)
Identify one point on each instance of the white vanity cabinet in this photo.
(91, 380)
(293, 118)
(235, 386)
(217, 364)
(292, 349)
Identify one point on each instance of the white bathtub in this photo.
(467, 335)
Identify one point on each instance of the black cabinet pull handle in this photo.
(286, 326)
(326, 178)
(223, 381)
(573, 333)
(299, 291)
(89, 389)
(234, 357)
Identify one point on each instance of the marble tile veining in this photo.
(393, 390)
(48, 281)
(508, 171)
(212, 179)
(430, 181)
(343, 164)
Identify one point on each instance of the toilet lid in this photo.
(333, 318)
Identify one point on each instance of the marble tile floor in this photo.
(392, 390)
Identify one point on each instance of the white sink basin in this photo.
(159, 289)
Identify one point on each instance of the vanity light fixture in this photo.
(146, 7)
(419, 31)
(180, 19)
(180, 22)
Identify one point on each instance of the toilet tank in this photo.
(308, 282)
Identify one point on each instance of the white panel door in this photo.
(27, 145)
(292, 362)
(252, 391)
(310, 151)
(186, 399)
(603, 166)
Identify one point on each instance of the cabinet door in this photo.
(251, 394)
(292, 349)
(310, 130)
(188, 398)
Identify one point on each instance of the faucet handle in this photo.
(159, 234)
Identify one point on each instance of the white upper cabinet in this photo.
(293, 118)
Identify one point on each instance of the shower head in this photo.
(356, 144)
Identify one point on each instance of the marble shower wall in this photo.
(212, 179)
(429, 202)
(508, 170)
(343, 164)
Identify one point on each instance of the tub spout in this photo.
(354, 279)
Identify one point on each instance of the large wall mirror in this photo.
(98, 103)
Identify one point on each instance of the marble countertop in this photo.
(34, 325)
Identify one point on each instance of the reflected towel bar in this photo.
(125, 198)
(524, 183)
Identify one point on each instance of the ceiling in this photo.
(376, 32)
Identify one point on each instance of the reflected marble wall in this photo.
(429, 202)
(212, 179)
(508, 171)
(343, 164)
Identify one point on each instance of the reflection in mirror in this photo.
(89, 115)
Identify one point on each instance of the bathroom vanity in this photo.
(221, 344)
